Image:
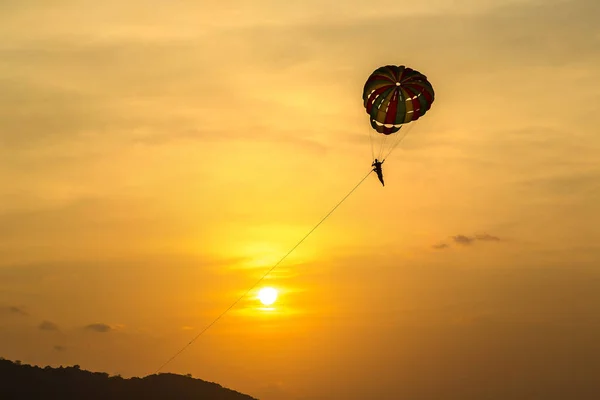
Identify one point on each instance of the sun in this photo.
(267, 296)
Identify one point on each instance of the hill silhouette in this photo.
(21, 381)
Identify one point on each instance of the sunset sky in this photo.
(157, 157)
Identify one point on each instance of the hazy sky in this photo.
(158, 156)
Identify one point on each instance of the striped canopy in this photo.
(395, 95)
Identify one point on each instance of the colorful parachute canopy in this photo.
(395, 95)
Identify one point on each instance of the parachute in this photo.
(393, 96)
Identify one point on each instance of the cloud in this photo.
(84, 105)
(467, 240)
(59, 348)
(14, 310)
(487, 238)
(48, 326)
(99, 327)
(463, 240)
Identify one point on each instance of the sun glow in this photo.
(267, 296)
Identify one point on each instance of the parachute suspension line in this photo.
(378, 143)
(399, 139)
(382, 147)
(371, 141)
(266, 274)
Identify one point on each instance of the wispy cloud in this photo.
(487, 238)
(99, 327)
(464, 240)
(48, 326)
(14, 310)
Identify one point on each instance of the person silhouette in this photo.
(377, 168)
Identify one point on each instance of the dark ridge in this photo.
(22, 381)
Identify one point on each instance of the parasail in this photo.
(394, 96)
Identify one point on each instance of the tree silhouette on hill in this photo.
(22, 381)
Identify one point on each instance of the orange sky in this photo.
(157, 157)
